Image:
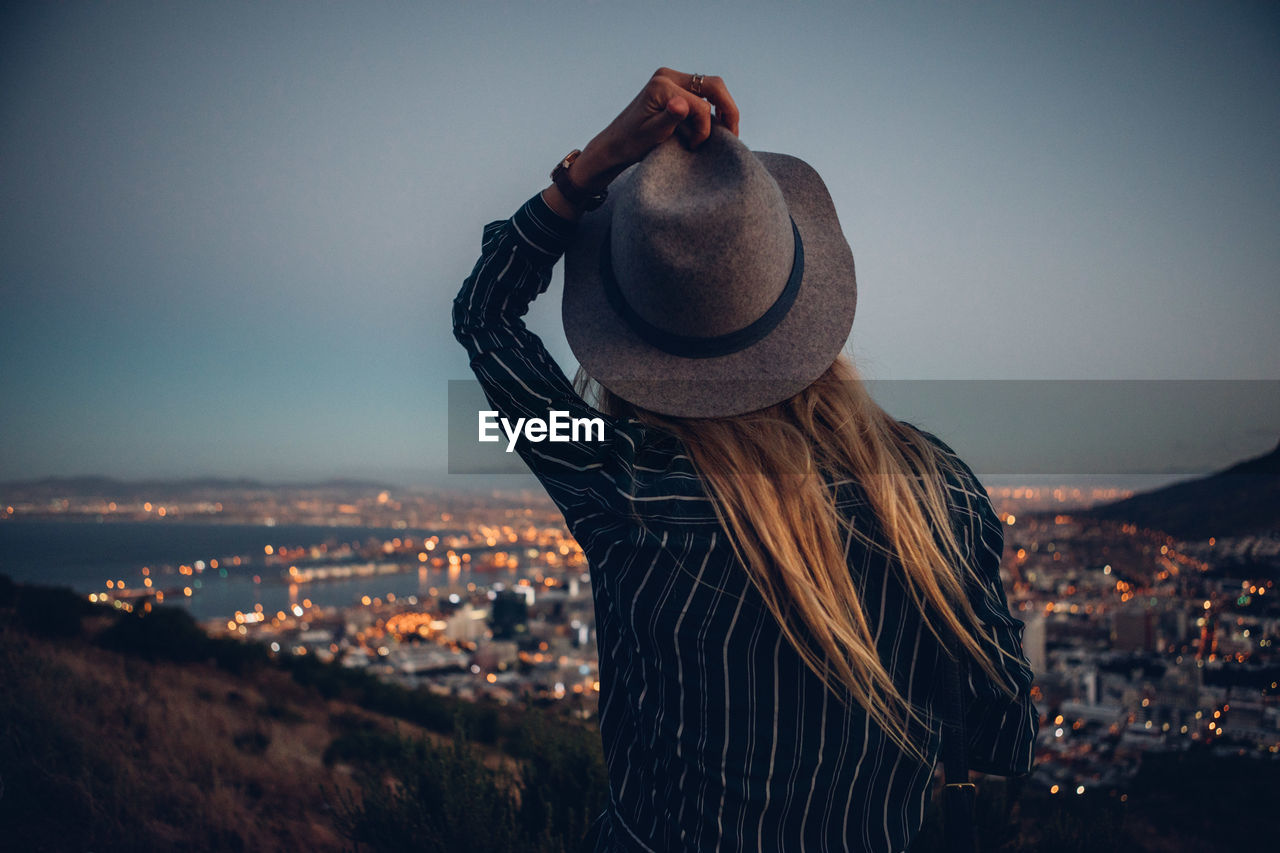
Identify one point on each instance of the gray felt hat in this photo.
(711, 282)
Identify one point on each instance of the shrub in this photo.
(442, 799)
(165, 633)
(47, 611)
(366, 748)
(253, 742)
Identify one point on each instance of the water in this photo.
(85, 555)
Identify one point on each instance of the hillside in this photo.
(103, 752)
(124, 733)
(1241, 500)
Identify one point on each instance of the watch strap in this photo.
(574, 194)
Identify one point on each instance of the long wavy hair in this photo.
(763, 471)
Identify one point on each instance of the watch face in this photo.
(575, 195)
(564, 164)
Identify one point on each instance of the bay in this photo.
(84, 555)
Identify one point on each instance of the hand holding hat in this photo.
(672, 102)
(713, 280)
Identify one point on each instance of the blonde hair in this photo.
(763, 473)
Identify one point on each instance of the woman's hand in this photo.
(666, 105)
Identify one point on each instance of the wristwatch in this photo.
(576, 195)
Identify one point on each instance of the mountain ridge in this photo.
(96, 485)
(1241, 500)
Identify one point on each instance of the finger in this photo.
(713, 89)
(676, 110)
(698, 122)
(657, 128)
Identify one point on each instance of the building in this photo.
(1133, 629)
(1033, 644)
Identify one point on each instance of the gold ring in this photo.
(695, 85)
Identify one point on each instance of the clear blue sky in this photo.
(230, 232)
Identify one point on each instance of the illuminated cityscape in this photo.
(1139, 642)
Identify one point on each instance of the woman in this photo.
(780, 570)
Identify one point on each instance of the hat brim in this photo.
(783, 363)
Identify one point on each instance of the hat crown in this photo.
(701, 242)
(748, 295)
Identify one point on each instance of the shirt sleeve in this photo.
(519, 377)
(1001, 730)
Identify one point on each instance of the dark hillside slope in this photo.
(1242, 500)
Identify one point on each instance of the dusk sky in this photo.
(231, 232)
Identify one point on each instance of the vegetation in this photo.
(103, 751)
(139, 732)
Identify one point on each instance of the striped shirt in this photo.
(716, 734)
